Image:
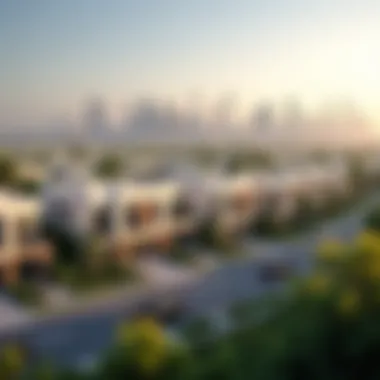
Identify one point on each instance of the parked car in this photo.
(275, 272)
(166, 311)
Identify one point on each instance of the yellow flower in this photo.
(318, 284)
(374, 271)
(146, 341)
(12, 359)
(330, 250)
(369, 241)
(349, 302)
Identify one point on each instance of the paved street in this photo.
(74, 339)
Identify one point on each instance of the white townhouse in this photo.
(72, 200)
(143, 214)
(338, 178)
(281, 189)
(232, 200)
(371, 165)
(123, 214)
(22, 247)
(312, 183)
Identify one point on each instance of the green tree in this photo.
(8, 170)
(12, 362)
(143, 351)
(109, 166)
(372, 220)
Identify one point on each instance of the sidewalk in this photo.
(101, 301)
(12, 316)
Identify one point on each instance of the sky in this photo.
(57, 54)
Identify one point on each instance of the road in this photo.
(75, 339)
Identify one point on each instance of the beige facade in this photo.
(21, 242)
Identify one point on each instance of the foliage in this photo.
(109, 166)
(26, 186)
(11, 362)
(205, 157)
(84, 264)
(84, 276)
(8, 170)
(325, 328)
(372, 221)
(247, 161)
(26, 292)
(143, 351)
(227, 243)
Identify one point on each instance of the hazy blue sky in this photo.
(57, 53)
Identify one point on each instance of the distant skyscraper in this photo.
(263, 119)
(144, 120)
(293, 117)
(95, 119)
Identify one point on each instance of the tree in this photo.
(372, 221)
(109, 166)
(325, 327)
(11, 362)
(143, 351)
(8, 170)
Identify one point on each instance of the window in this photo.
(2, 228)
(27, 231)
(149, 212)
(61, 211)
(103, 220)
(133, 217)
(182, 207)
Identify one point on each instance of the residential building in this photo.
(23, 248)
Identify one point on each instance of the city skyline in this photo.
(59, 55)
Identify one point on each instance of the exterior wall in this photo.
(238, 200)
(14, 252)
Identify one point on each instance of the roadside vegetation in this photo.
(12, 179)
(307, 216)
(326, 327)
(87, 265)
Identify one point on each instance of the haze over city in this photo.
(189, 189)
(151, 66)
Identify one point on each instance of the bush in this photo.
(12, 362)
(325, 328)
(372, 221)
(143, 351)
(26, 292)
(8, 170)
(82, 278)
(26, 186)
(109, 166)
(69, 249)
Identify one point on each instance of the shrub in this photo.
(27, 292)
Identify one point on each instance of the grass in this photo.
(84, 279)
(26, 292)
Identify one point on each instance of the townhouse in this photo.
(281, 189)
(232, 201)
(130, 215)
(144, 218)
(123, 215)
(314, 184)
(23, 250)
